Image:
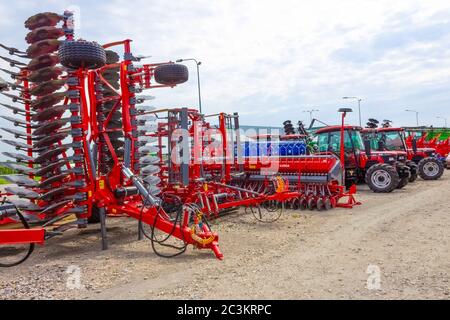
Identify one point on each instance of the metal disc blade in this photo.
(57, 178)
(47, 87)
(49, 113)
(49, 127)
(150, 169)
(16, 133)
(154, 180)
(44, 61)
(18, 167)
(48, 155)
(43, 47)
(11, 50)
(14, 120)
(153, 190)
(149, 160)
(51, 139)
(147, 139)
(15, 109)
(148, 149)
(22, 192)
(15, 98)
(146, 118)
(146, 109)
(18, 156)
(45, 74)
(17, 144)
(22, 180)
(44, 19)
(142, 98)
(149, 128)
(25, 205)
(55, 206)
(43, 33)
(111, 57)
(48, 100)
(50, 167)
(13, 62)
(54, 193)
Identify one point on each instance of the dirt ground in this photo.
(404, 235)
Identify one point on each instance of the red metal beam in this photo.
(22, 236)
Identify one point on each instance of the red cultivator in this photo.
(94, 150)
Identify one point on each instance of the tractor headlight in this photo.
(391, 159)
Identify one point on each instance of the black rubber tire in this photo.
(384, 169)
(171, 74)
(81, 54)
(413, 177)
(426, 174)
(95, 215)
(403, 182)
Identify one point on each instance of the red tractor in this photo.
(422, 161)
(381, 170)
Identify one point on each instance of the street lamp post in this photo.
(417, 115)
(359, 106)
(197, 63)
(445, 120)
(311, 112)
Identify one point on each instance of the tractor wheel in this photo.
(82, 54)
(430, 169)
(403, 182)
(413, 177)
(382, 178)
(171, 74)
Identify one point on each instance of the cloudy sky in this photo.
(272, 60)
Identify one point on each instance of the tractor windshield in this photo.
(391, 141)
(331, 141)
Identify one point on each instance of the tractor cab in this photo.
(329, 140)
(421, 161)
(378, 168)
(389, 144)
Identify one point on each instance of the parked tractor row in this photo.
(379, 156)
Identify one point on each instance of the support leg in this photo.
(140, 233)
(102, 213)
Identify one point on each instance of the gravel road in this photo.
(399, 241)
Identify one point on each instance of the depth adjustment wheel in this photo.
(82, 54)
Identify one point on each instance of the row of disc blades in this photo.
(45, 95)
(52, 156)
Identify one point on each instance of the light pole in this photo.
(311, 112)
(359, 106)
(445, 120)
(197, 63)
(417, 115)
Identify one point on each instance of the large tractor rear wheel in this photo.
(430, 169)
(382, 178)
(82, 54)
